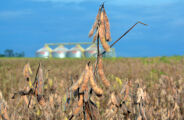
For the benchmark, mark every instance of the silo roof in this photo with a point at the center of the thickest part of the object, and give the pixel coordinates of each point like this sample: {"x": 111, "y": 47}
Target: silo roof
{"x": 61, "y": 47}
{"x": 93, "y": 46}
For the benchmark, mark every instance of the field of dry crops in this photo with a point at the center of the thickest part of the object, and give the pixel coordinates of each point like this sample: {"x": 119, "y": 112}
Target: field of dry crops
{"x": 140, "y": 88}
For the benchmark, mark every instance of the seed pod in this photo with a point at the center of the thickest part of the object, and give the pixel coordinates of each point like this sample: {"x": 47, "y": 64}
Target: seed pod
{"x": 94, "y": 86}
{"x": 101, "y": 73}
{"x": 140, "y": 95}
{"x": 27, "y": 71}
{"x": 36, "y": 90}
{"x": 95, "y": 36}
{"x": 3, "y": 112}
{"x": 139, "y": 117}
{"x": 115, "y": 101}
{"x": 6, "y": 114}
{"x": 91, "y": 32}
{"x": 87, "y": 115}
{"x": 126, "y": 92}
{"x": 78, "y": 83}
{"x": 79, "y": 107}
{"x": 85, "y": 81}
{"x": 40, "y": 81}
{"x": 80, "y": 102}
{"x": 86, "y": 94}
{"x": 41, "y": 100}
{"x": 26, "y": 100}
{"x": 107, "y": 27}
{"x": 102, "y": 33}
{"x": 95, "y": 24}
{"x": 77, "y": 110}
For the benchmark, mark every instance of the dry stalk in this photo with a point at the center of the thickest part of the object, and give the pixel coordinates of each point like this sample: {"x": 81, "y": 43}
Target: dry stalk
{"x": 37, "y": 91}
{"x": 86, "y": 83}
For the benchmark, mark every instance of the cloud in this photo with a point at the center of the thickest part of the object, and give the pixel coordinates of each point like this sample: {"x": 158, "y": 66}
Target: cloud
{"x": 8, "y": 14}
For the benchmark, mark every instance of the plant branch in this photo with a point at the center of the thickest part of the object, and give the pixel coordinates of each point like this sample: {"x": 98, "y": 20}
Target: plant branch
{"x": 124, "y": 35}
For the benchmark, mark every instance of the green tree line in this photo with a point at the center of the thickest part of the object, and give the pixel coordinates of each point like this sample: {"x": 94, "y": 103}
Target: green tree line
{"x": 11, "y": 53}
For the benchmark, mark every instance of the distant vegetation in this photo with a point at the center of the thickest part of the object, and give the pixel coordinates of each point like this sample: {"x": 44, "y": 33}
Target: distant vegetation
{"x": 11, "y": 53}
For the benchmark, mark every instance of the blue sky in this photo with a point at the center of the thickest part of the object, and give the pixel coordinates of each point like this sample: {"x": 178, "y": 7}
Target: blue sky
{"x": 26, "y": 25}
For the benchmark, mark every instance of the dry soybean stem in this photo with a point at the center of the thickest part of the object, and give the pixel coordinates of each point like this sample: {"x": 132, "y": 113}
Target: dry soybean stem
{"x": 124, "y": 35}
{"x": 36, "y": 79}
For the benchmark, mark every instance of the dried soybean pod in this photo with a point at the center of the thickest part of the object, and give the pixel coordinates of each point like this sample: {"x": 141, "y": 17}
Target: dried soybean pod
{"x": 114, "y": 99}
{"x": 80, "y": 102}
{"x": 26, "y": 100}
{"x": 95, "y": 36}
{"x": 40, "y": 81}
{"x": 27, "y": 71}
{"x": 78, "y": 83}
{"x": 86, "y": 94}
{"x": 107, "y": 27}
{"x": 36, "y": 90}
{"x": 140, "y": 95}
{"x": 94, "y": 86}
{"x": 87, "y": 115}
{"x": 78, "y": 107}
{"x": 101, "y": 73}
{"x": 3, "y": 111}
{"x": 102, "y": 33}
{"x": 77, "y": 110}
{"x": 127, "y": 91}
{"x": 85, "y": 81}
{"x": 6, "y": 114}
{"x": 95, "y": 24}
{"x": 41, "y": 100}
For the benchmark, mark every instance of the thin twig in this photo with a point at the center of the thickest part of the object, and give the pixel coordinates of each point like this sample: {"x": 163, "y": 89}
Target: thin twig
{"x": 23, "y": 93}
{"x": 123, "y": 35}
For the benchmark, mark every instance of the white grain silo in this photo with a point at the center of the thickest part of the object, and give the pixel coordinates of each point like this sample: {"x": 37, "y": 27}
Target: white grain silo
{"x": 44, "y": 52}
{"x": 59, "y": 52}
{"x": 75, "y": 52}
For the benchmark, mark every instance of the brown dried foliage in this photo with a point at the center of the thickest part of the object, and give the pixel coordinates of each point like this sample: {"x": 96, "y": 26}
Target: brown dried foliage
{"x": 163, "y": 94}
